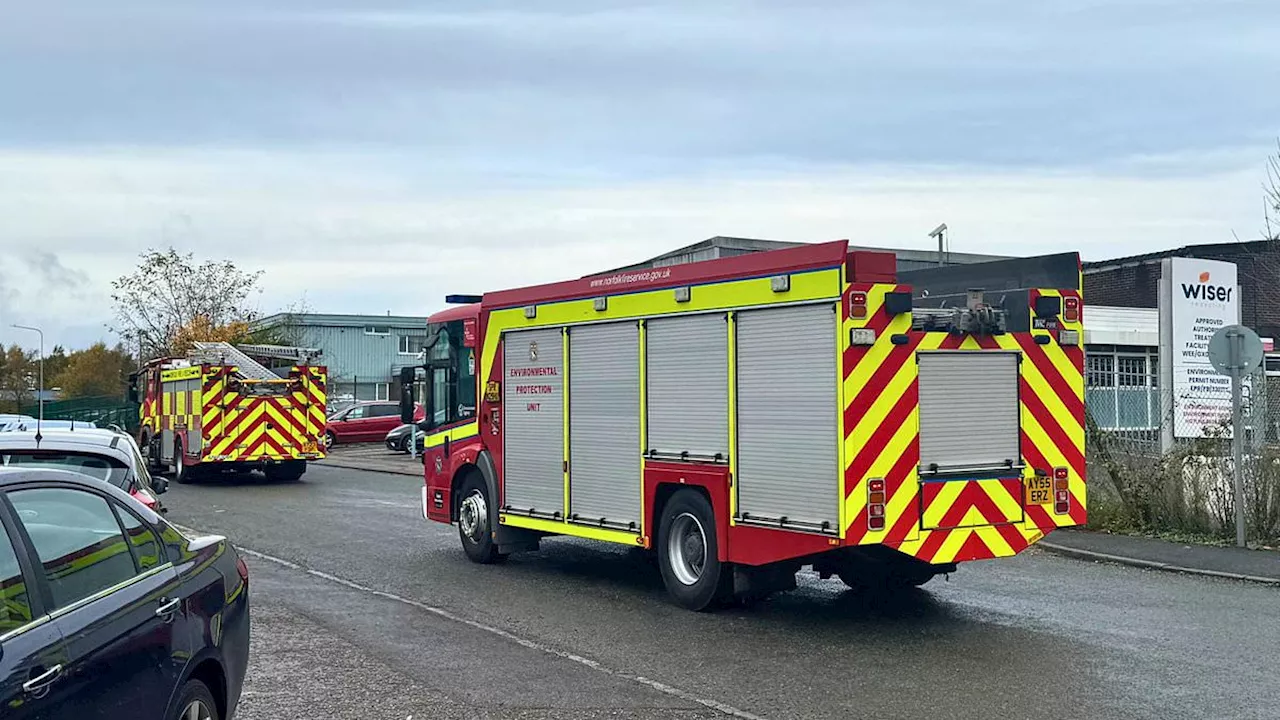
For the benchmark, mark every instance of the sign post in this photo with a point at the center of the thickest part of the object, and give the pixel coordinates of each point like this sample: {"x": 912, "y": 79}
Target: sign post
{"x": 1236, "y": 351}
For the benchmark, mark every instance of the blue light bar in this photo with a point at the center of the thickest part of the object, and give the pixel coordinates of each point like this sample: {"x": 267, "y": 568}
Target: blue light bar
{"x": 462, "y": 299}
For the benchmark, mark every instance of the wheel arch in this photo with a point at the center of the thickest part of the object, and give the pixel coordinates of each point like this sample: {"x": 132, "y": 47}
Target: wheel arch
{"x": 207, "y": 668}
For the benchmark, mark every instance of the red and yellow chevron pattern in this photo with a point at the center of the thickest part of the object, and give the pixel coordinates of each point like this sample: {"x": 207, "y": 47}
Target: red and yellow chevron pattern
{"x": 244, "y": 422}
{"x": 957, "y": 520}
{"x": 240, "y": 420}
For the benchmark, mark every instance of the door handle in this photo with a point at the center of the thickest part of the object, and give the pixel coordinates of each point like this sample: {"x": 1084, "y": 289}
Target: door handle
{"x": 41, "y": 682}
{"x": 167, "y": 610}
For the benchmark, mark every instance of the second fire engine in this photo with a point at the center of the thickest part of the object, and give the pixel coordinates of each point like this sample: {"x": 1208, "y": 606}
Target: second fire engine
{"x": 744, "y": 417}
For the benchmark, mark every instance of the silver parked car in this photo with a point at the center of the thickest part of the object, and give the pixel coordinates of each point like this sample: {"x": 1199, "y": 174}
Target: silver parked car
{"x": 108, "y": 455}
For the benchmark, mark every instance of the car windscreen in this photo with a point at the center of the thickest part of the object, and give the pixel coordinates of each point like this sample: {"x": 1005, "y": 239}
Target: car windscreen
{"x": 96, "y": 466}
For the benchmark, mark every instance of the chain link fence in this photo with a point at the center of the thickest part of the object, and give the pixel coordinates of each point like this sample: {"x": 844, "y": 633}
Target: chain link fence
{"x": 1154, "y": 468}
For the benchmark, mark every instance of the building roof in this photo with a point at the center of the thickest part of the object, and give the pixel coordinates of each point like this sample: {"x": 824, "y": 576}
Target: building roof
{"x": 1206, "y": 251}
{"x": 748, "y": 245}
{"x": 340, "y": 320}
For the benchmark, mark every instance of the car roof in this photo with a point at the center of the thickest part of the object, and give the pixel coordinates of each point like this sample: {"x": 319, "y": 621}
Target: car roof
{"x": 100, "y": 441}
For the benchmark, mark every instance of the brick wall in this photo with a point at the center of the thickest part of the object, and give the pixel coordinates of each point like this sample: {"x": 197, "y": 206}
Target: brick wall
{"x": 1258, "y": 270}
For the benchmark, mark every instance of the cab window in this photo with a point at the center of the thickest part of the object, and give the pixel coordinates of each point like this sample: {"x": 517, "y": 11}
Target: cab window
{"x": 15, "y": 607}
{"x": 456, "y": 401}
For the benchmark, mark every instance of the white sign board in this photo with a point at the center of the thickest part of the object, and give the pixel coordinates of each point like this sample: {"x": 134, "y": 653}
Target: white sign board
{"x": 1198, "y": 298}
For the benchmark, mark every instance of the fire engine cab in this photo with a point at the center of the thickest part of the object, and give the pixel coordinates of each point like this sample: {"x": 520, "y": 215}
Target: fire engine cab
{"x": 744, "y": 417}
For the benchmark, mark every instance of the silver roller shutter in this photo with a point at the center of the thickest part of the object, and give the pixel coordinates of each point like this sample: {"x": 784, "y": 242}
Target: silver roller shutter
{"x": 969, "y": 410}
{"x": 787, "y": 408}
{"x": 604, "y": 424}
{"x": 687, "y": 376}
{"x": 533, "y": 435}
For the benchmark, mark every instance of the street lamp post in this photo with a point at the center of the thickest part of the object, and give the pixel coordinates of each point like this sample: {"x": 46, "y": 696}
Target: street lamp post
{"x": 40, "y": 397}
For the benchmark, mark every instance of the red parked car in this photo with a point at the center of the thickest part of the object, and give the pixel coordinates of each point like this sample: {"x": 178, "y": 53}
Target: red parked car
{"x": 366, "y": 422}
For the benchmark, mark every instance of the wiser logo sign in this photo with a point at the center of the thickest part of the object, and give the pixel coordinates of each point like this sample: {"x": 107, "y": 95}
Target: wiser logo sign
{"x": 1204, "y": 298}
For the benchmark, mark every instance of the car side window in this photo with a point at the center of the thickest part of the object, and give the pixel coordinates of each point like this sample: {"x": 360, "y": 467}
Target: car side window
{"x": 15, "y": 607}
{"x": 386, "y": 410}
{"x": 357, "y": 412}
{"x": 78, "y": 540}
{"x": 147, "y": 551}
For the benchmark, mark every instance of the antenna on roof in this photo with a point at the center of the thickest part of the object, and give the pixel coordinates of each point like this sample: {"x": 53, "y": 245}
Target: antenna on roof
{"x": 940, "y": 233}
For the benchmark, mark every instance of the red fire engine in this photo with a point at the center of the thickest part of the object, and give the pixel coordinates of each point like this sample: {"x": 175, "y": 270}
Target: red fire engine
{"x": 745, "y": 417}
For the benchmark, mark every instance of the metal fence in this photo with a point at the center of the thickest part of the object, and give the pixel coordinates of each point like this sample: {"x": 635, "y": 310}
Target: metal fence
{"x": 102, "y": 411}
{"x": 343, "y": 391}
{"x": 1172, "y": 469}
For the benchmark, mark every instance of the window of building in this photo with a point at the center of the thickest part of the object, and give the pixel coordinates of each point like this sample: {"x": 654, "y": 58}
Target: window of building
{"x": 411, "y": 344}
{"x": 78, "y": 540}
{"x": 15, "y": 609}
{"x": 377, "y": 330}
{"x": 1131, "y": 371}
{"x": 1099, "y": 370}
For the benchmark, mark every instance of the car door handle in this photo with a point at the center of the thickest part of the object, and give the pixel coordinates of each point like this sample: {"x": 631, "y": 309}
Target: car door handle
{"x": 43, "y": 680}
{"x": 167, "y": 610}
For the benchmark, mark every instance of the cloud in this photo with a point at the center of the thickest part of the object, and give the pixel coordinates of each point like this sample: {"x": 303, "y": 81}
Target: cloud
{"x": 360, "y": 233}
{"x": 378, "y": 157}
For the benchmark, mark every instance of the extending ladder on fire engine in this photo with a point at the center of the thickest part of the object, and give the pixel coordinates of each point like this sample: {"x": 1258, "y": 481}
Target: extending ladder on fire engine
{"x": 222, "y": 353}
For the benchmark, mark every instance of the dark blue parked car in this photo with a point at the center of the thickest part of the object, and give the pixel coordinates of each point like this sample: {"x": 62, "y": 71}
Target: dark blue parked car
{"x": 107, "y": 611}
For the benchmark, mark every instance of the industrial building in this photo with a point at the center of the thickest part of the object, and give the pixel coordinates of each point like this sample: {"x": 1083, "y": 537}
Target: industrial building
{"x": 364, "y": 353}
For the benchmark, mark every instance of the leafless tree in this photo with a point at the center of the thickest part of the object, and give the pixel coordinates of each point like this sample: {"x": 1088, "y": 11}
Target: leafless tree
{"x": 170, "y": 291}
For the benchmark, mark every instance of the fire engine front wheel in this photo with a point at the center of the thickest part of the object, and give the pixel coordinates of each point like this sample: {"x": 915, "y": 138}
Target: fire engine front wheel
{"x": 688, "y": 553}
{"x": 473, "y": 522}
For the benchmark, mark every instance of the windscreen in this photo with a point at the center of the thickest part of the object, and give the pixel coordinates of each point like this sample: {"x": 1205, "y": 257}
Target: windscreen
{"x": 95, "y": 466}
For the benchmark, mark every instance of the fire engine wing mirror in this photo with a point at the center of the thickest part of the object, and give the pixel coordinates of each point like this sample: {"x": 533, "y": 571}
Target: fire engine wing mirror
{"x": 133, "y": 388}
{"x": 407, "y": 376}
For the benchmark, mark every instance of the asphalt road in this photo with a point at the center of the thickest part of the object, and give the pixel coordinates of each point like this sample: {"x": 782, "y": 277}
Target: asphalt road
{"x": 362, "y": 609}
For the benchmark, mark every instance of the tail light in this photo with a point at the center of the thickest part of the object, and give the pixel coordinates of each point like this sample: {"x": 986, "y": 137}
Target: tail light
{"x": 875, "y": 504}
{"x": 1061, "y": 491}
{"x": 145, "y": 498}
{"x": 242, "y": 569}
{"x": 858, "y": 305}
{"x": 1071, "y": 309}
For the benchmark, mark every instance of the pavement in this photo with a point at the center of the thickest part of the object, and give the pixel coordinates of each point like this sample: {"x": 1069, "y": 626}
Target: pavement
{"x": 362, "y": 609}
{"x": 1261, "y": 566}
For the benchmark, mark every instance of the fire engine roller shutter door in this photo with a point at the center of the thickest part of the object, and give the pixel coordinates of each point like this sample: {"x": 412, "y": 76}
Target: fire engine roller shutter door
{"x": 604, "y": 424}
{"x": 787, "y": 407}
{"x": 533, "y": 409}
{"x": 969, "y": 409}
{"x": 687, "y": 383}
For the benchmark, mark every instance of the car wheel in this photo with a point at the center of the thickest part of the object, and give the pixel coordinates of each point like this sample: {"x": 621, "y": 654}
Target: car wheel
{"x": 329, "y": 439}
{"x": 688, "y": 553}
{"x": 473, "y": 522}
{"x": 196, "y": 703}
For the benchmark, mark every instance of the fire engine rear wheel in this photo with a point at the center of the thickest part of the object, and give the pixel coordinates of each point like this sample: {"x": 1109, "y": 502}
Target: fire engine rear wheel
{"x": 287, "y": 471}
{"x": 473, "y": 522}
{"x": 181, "y": 473}
{"x": 688, "y": 553}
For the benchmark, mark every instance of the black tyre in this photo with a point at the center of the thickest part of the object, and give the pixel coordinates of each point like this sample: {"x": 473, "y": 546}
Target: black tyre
{"x": 688, "y": 553}
{"x": 288, "y": 471}
{"x": 182, "y": 474}
{"x": 195, "y": 702}
{"x": 329, "y": 440}
{"x": 880, "y": 576}
{"x": 473, "y": 521}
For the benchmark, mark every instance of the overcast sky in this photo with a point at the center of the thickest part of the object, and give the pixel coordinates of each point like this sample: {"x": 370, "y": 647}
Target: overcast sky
{"x": 375, "y": 156}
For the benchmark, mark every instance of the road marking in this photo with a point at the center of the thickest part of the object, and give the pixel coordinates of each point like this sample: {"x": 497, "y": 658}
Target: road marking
{"x": 523, "y": 642}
